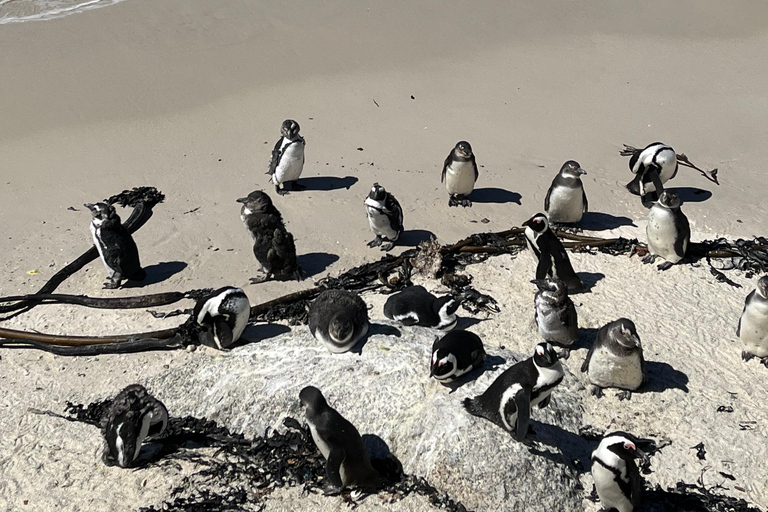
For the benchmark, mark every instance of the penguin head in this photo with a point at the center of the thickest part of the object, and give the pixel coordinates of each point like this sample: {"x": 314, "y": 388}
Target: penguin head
{"x": 101, "y": 211}
{"x": 378, "y": 193}
{"x": 289, "y": 129}
{"x": 625, "y": 334}
{"x": 538, "y": 223}
{"x": 669, "y": 199}
{"x": 312, "y": 399}
{"x": 258, "y": 202}
{"x": 572, "y": 169}
{"x": 341, "y": 328}
{"x": 551, "y": 284}
{"x": 443, "y": 364}
{"x": 126, "y": 432}
{"x": 463, "y": 150}
{"x": 544, "y": 356}
{"x": 624, "y": 445}
{"x": 762, "y": 287}
{"x": 446, "y": 308}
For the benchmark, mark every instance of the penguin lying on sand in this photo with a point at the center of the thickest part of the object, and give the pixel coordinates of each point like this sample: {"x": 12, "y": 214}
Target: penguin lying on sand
{"x": 668, "y": 231}
{"x": 223, "y": 315}
{"x": 385, "y": 216}
{"x": 653, "y": 166}
{"x": 615, "y": 359}
{"x": 339, "y": 319}
{"x": 455, "y": 354}
{"x": 617, "y": 478}
{"x": 566, "y": 201}
{"x": 549, "y": 250}
{"x": 556, "y": 314}
{"x": 753, "y": 324}
{"x": 416, "y": 306}
{"x": 287, "y": 158}
{"x": 116, "y": 247}
{"x": 460, "y": 174}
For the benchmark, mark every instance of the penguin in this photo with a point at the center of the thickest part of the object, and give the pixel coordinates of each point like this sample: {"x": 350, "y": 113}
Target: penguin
{"x": 455, "y": 354}
{"x": 617, "y": 478}
{"x": 460, "y": 174}
{"x": 272, "y": 244}
{"x": 556, "y": 314}
{"x": 549, "y": 250}
{"x": 133, "y": 415}
{"x": 653, "y": 166}
{"x": 287, "y": 158}
{"x": 668, "y": 231}
{"x": 223, "y": 315}
{"x": 116, "y": 247}
{"x": 339, "y": 319}
{"x": 416, "y": 306}
{"x": 385, "y": 216}
{"x": 509, "y": 399}
{"x": 347, "y": 460}
{"x": 753, "y": 324}
{"x": 615, "y": 359}
{"x": 566, "y": 200}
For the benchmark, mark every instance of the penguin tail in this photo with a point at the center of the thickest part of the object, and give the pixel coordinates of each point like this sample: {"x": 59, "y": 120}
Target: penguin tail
{"x": 474, "y": 408}
{"x": 634, "y": 185}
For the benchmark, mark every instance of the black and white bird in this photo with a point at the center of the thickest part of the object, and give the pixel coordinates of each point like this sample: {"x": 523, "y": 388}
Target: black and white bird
{"x": 460, "y": 174}
{"x": 222, "y": 315}
{"x": 509, "y": 399}
{"x": 455, "y": 354}
{"x": 347, "y": 461}
{"x": 133, "y": 415}
{"x": 617, "y": 479}
{"x": 116, "y": 247}
{"x": 556, "y": 315}
{"x": 753, "y": 324}
{"x": 414, "y": 305}
{"x": 287, "y": 158}
{"x": 272, "y": 244}
{"x": 385, "y": 216}
{"x": 653, "y": 166}
{"x": 668, "y": 231}
{"x": 615, "y": 359}
{"x": 339, "y": 319}
{"x": 549, "y": 250}
{"x": 566, "y": 201}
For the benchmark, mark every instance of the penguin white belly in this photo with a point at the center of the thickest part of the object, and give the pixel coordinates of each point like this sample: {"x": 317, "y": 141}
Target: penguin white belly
{"x": 608, "y": 489}
{"x": 566, "y": 205}
{"x": 551, "y": 328}
{"x": 754, "y": 329}
{"x": 319, "y": 441}
{"x": 662, "y": 234}
{"x": 380, "y": 224}
{"x": 96, "y": 234}
{"x": 509, "y": 420}
{"x": 460, "y": 178}
{"x": 291, "y": 163}
{"x": 547, "y": 377}
{"x": 610, "y": 371}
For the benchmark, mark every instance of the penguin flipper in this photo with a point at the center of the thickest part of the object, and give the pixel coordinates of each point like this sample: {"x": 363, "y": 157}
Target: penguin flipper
{"x": 276, "y": 154}
{"x": 333, "y": 468}
{"x": 222, "y": 332}
{"x": 474, "y": 166}
{"x": 585, "y": 364}
{"x": 544, "y": 267}
{"x": 544, "y": 402}
{"x": 523, "y": 403}
{"x": 584, "y": 201}
{"x": 684, "y": 234}
{"x": 549, "y": 193}
{"x": 445, "y": 167}
{"x": 478, "y": 358}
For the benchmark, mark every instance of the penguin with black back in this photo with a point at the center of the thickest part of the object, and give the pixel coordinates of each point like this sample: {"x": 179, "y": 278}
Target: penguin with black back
{"x": 566, "y": 200}
{"x": 753, "y": 323}
{"x": 615, "y": 359}
{"x": 617, "y": 479}
{"x": 339, "y": 319}
{"x": 116, "y": 247}
{"x": 549, "y": 250}
{"x": 652, "y": 166}
{"x": 288, "y": 158}
{"x": 668, "y": 231}
{"x": 555, "y": 314}
{"x": 222, "y": 316}
{"x": 460, "y": 174}
{"x": 414, "y": 305}
{"x": 455, "y": 354}
{"x": 385, "y": 217}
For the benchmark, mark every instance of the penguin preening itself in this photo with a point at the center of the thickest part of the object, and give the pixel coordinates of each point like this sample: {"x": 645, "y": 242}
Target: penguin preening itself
{"x": 566, "y": 201}
{"x": 615, "y": 359}
{"x": 460, "y": 174}
{"x": 668, "y": 231}
{"x": 416, "y": 306}
{"x": 555, "y": 314}
{"x": 549, "y": 250}
{"x": 455, "y": 354}
{"x": 617, "y": 478}
{"x": 385, "y": 216}
{"x": 509, "y": 399}
{"x": 339, "y": 319}
{"x": 133, "y": 415}
{"x": 753, "y": 324}
{"x": 347, "y": 460}
{"x": 223, "y": 315}
{"x": 287, "y": 158}
{"x": 272, "y": 244}
{"x": 653, "y": 166}
{"x": 116, "y": 247}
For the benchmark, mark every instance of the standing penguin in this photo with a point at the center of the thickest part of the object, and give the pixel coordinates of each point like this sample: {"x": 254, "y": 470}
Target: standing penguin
{"x": 385, "y": 216}
{"x": 455, "y": 354}
{"x": 753, "y": 324}
{"x": 347, "y": 460}
{"x": 615, "y": 359}
{"x": 556, "y": 314}
{"x": 653, "y": 166}
{"x": 223, "y": 315}
{"x": 133, "y": 415}
{"x": 668, "y": 231}
{"x": 339, "y": 319}
{"x": 509, "y": 399}
{"x": 549, "y": 250}
{"x": 566, "y": 201}
{"x": 460, "y": 174}
{"x": 416, "y": 306}
{"x": 287, "y": 158}
{"x": 617, "y": 479}
{"x": 272, "y": 244}
{"x": 116, "y": 247}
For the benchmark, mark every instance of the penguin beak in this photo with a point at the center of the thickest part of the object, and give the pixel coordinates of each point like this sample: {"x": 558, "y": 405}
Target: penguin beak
{"x": 527, "y": 223}
{"x": 581, "y": 171}
{"x": 242, "y": 200}
{"x": 90, "y": 206}
{"x": 640, "y": 454}
{"x": 636, "y": 340}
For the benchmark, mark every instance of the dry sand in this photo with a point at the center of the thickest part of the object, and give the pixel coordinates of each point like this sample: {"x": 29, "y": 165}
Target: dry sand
{"x": 188, "y": 96}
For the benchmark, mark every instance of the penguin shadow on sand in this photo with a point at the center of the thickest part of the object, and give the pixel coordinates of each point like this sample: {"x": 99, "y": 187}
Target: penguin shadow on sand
{"x": 413, "y": 237}
{"x": 575, "y": 451}
{"x": 157, "y": 273}
{"x": 491, "y": 364}
{"x": 375, "y": 328}
{"x": 590, "y": 279}
{"x": 315, "y": 263}
{"x": 691, "y": 194}
{"x": 495, "y": 195}
{"x": 465, "y": 322}
{"x": 326, "y": 183}
{"x": 386, "y": 464}
{"x": 254, "y": 333}
{"x": 661, "y": 377}
{"x": 587, "y": 337}
{"x": 599, "y": 221}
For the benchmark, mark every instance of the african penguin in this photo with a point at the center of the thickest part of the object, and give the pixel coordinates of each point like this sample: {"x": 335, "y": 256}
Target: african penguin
{"x": 416, "y": 306}
{"x": 339, "y": 319}
{"x": 566, "y": 201}
{"x": 509, "y": 399}
{"x": 615, "y": 359}
{"x": 455, "y": 354}
{"x": 133, "y": 415}
{"x": 460, "y": 174}
{"x": 384, "y": 216}
{"x": 116, "y": 247}
{"x": 223, "y": 315}
{"x": 287, "y": 158}
{"x": 753, "y": 324}
{"x": 347, "y": 460}
{"x": 667, "y": 231}
{"x": 653, "y": 166}
{"x": 272, "y": 244}
{"x": 555, "y": 314}
{"x": 549, "y": 250}
{"x": 617, "y": 478}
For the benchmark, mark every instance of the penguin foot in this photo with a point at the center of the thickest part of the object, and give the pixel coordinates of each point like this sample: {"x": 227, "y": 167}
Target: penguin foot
{"x": 388, "y": 246}
{"x": 465, "y": 202}
{"x": 563, "y": 353}
{"x": 331, "y": 490}
{"x": 281, "y": 191}
{"x": 259, "y": 279}
{"x": 746, "y": 356}
{"x": 453, "y": 201}
{"x": 376, "y": 242}
{"x": 665, "y": 266}
{"x": 111, "y": 285}
{"x": 624, "y": 395}
{"x": 649, "y": 258}
{"x": 764, "y": 361}
{"x": 596, "y": 391}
